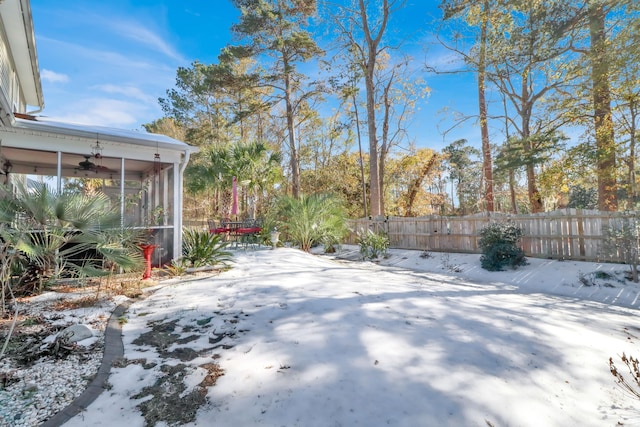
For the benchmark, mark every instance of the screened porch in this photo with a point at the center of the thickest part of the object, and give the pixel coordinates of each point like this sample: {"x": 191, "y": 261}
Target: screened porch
{"x": 140, "y": 172}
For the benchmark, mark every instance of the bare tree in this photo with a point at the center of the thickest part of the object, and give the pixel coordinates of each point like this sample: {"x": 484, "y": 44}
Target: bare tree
{"x": 363, "y": 24}
{"x": 478, "y": 11}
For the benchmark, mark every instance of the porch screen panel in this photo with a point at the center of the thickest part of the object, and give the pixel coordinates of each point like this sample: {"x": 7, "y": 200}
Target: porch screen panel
{"x": 5, "y": 69}
{"x": 169, "y": 199}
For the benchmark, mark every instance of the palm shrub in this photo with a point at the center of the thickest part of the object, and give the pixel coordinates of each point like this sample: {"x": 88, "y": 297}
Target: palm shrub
{"x": 10, "y": 267}
{"x": 498, "y": 242}
{"x": 372, "y": 245}
{"x": 176, "y": 267}
{"x": 335, "y": 230}
{"x": 309, "y": 220}
{"x": 9, "y": 258}
{"x": 201, "y": 248}
{"x": 65, "y": 234}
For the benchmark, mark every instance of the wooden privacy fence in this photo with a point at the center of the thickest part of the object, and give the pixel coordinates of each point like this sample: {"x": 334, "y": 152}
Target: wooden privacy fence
{"x": 564, "y": 234}
{"x": 195, "y": 224}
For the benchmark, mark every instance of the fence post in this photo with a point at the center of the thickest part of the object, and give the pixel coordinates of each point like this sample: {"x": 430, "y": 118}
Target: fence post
{"x": 580, "y": 219}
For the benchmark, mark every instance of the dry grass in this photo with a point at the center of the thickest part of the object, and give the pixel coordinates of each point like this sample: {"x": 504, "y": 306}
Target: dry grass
{"x": 75, "y": 303}
{"x": 213, "y": 373}
{"x": 128, "y": 284}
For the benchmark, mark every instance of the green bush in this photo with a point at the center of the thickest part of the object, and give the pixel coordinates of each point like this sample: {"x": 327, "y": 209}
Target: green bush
{"x": 201, "y": 248}
{"x": 498, "y": 242}
{"x": 372, "y": 245}
{"x": 52, "y": 235}
{"x": 177, "y": 267}
{"x": 309, "y": 220}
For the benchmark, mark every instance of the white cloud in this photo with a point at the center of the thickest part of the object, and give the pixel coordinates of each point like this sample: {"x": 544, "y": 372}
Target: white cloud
{"x": 112, "y": 24}
{"x": 102, "y": 112}
{"x": 87, "y": 56}
{"x": 116, "y": 69}
{"x": 127, "y": 90}
{"x": 53, "y": 77}
{"x": 445, "y": 62}
{"x": 136, "y": 31}
{"x": 190, "y": 12}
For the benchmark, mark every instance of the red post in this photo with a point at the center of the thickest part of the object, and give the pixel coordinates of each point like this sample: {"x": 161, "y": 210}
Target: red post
{"x": 147, "y": 251}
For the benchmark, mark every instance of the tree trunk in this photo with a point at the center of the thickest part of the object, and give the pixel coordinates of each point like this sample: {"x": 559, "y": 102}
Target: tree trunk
{"x": 384, "y": 149}
{"x": 603, "y": 121}
{"x": 535, "y": 201}
{"x": 526, "y": 108}
{"x": 293, "y": 149}
{"x": 511, "y": 173}
{"x": 364, "y": 187}
{"x": 369, "y": 64}
{"x": 487, "y": 167}
{"x": 374, "y": 180}
{"x": 633, "y": 187}
{"x": 512, "y": 191}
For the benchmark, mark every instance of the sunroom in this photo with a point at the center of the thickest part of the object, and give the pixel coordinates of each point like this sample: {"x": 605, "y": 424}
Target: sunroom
{"x": 140, "y": 172}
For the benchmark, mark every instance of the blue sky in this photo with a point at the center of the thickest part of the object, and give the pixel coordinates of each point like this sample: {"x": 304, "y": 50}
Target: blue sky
{"x": 106, "y": 63}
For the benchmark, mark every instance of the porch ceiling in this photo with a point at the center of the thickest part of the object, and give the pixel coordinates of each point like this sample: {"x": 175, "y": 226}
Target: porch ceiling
{"x": 32, "y": 147}
{"x": 38, "y": 162}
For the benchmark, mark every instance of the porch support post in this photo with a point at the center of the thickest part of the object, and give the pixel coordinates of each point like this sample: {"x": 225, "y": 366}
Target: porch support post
{"x": 164, "y": 176}
{"x": 122, "y": 192}
{"x": 59, "y": 173}
{"x": 177, "y": 211}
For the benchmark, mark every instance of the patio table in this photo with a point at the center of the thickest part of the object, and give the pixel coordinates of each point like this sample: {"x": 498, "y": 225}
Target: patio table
{"x": 239, "y": 232}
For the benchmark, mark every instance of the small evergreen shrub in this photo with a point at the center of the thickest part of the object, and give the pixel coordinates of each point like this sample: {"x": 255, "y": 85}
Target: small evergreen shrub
{"x": 177, "y": 267}
{"x": 372, "y": 245}
{"x": 622, "y": 240}
{"x": 498, "y": 242}
{"x": 201, "y": 248}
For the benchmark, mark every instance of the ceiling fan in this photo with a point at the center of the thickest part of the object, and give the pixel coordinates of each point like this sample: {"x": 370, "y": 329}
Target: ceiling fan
{"x": 88, "y": 166}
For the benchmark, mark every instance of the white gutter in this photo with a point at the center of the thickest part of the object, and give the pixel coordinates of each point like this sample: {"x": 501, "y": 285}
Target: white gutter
{"x": 31, "y": 113}
{"x": 183, "y": 165}
{"x": 29, "y": 33}
{"x": 178, "y": 204}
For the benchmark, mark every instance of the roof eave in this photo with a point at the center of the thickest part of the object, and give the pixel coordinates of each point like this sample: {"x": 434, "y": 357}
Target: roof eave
{"x": 36, "y": 97}
{"x": 144, "y": 139}
{"x": 18, "y": 25}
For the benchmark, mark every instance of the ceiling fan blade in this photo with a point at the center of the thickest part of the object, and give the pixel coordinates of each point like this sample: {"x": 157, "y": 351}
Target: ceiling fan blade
{"x": 100, "y": 168}
{"x": 86, "y": 164}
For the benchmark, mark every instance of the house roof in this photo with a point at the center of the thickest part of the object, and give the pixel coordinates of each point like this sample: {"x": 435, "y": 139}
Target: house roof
{"x": 35, "y": 143}
{"x": 103, "y": 133}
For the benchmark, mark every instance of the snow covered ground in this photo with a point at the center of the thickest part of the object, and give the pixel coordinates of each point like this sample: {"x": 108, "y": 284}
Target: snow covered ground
{"x": 415, "y": 340}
